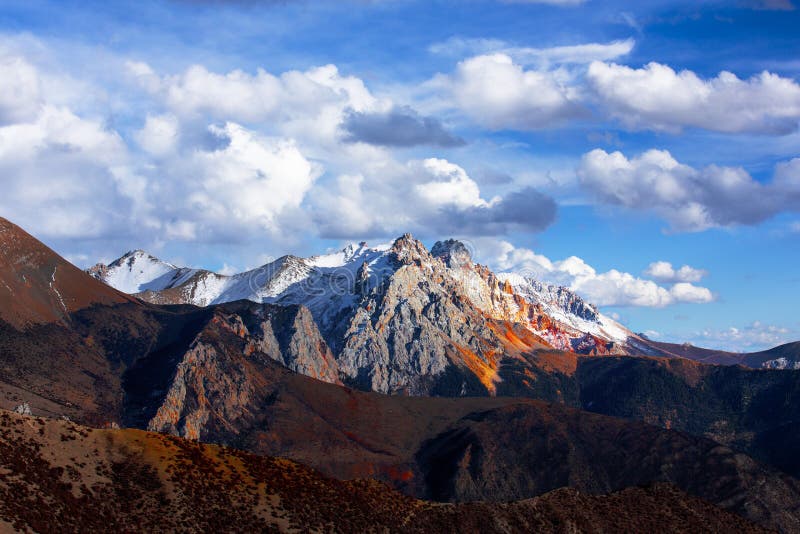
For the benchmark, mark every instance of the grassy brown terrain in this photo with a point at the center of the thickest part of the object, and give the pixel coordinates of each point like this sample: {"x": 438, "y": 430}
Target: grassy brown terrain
{"x": 448, "y": 449}
{"x": 61, "y": 477}
{"x": 39, "y": 286}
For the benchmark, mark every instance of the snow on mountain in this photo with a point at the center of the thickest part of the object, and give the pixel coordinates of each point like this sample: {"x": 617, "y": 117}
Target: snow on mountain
{"x": 331, "y": 284}
{"x": 138, "y": 271}
{"x": 321, "y": 283}
{"x": 565, "y": 306}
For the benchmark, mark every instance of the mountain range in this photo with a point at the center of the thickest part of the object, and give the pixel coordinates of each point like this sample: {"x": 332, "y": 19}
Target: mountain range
{"x": 334, "y": 286}
{"x": 417, "y": 369}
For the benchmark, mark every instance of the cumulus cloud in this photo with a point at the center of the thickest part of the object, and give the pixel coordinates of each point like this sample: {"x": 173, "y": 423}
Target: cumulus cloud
{"x": 20, "y": 97}
{"x": 159, "y": 135}
{"x": 752, "y": 337}
{"x": 657, "y": 97}
{"x": 308, "y": 104}
{"x": 663, "y": 271}
{"x": 610, "y": 288}
{"x": 438, "y": 197}
{"x": 689, "y": 199}
{"x": 500, "y": 94}
{"x": 242, "y": 188}
{"x": 333, "y": 120}
{"x": 400, "y": 126}
{"x": 64, "y": 176}
{"x": 448, "y": 185}
{"x": 241, "y": 157}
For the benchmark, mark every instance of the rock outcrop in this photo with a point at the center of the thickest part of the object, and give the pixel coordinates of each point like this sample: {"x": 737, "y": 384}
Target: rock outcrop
{"x": 217, "y": 385}
{"x": 416, "y": 333}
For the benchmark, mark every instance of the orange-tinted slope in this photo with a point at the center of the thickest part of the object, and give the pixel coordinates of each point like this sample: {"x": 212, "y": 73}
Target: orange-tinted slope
{"x": 61, "y": 477}
{"x": 39, "y": 286}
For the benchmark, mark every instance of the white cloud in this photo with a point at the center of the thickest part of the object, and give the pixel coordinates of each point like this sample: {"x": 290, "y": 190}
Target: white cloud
{"x": 582, "y": 53}
{"x": 689, "y": 199}
{"x": 180, "y": 230}
{"x": 231, "y": 158}
{"x": 657, "y": 97}
{"x": 159, "y": 135}
{"x": 64, "y": 176}
{"x": 663, "y": 271}
{"x": 610, "y": 288}
{"x": 318, "y": 94}
{"x": 20, "y": 97}
{"x": 686, "y": 292}
{"x": 428, "y": 197}
{"x": 450, "y": 185}
{"x": 499, "y": 94}
{"x": 752, "y": 337}
{"x": 67, "y": 176}
{"x": 242, "y": 187}
{"x": 566, "y": 54}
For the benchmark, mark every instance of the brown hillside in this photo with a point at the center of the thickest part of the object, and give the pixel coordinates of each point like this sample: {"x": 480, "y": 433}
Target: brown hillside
{"x": 39, "y": 286}
{"x": 61, "y": 477}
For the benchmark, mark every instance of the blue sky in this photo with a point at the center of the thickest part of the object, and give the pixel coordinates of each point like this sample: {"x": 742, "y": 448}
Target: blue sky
{"x": 600, "y": 145}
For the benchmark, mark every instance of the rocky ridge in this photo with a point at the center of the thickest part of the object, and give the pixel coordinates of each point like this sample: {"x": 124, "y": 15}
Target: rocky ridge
{"x": 400, "y": 318}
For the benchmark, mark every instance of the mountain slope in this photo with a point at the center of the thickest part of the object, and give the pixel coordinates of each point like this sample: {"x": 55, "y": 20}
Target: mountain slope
{"x": 333, "y": 286}
{"x": 81, "y": 479}
{"x": 785, "y": 356}
{"x": 38, "y": 286}
{"x": 493, "y": 448}
{"x": 115, "y": 363}
{"x": 138, "y": 271}
{"x": 754, "y": 411}
{"x": 330, "y": 284}
{"x": 402, "y": 319}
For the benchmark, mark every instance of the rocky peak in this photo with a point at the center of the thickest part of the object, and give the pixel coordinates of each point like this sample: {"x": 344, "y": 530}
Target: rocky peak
{"x": 133, "y": 257}
{"x": 565, "y": 299}
{"x": 287, "y": 262}
{"x": 407, "y": 251}
{"x": 129, "y": 260}
{"x": 452, "y": 252}
{"x": 98, "y": 270}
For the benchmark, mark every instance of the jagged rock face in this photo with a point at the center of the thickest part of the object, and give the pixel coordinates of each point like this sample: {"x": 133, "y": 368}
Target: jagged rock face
{"x": 500, "y": 300}
{"x": 415, "y": 333}
{"x": 219, "y": 382}
{"x": 566, "y": 299}
{"x": 452, "y": 252}
{"x": 402, "y": 319}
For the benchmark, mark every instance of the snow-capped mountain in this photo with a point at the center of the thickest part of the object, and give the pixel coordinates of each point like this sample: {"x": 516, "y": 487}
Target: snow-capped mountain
{"x": 567, "y": 308}
{"x": 557, "y": 314}
{"x": 138, "y": 271}
{"x": 331, "y": 286}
